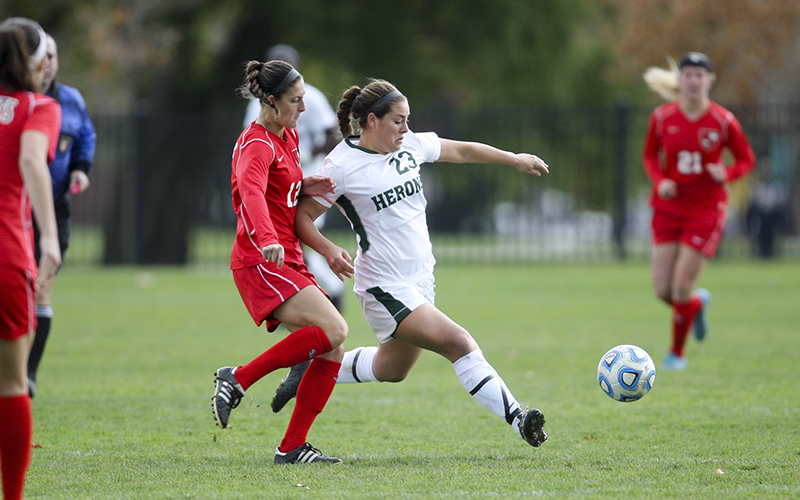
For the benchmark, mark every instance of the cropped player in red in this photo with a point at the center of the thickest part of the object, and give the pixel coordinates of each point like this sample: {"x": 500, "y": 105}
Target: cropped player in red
{"x": 267, "y": 260}
{"x": 29, "y": 127}
{"x": 683, "y": 158}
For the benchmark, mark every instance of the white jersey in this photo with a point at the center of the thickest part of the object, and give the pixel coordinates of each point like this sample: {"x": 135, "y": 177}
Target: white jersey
{"x": 382, "y": 197}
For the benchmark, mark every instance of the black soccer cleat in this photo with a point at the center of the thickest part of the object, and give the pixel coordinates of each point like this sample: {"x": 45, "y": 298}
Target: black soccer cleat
{"x": 531, "y": 427}
{"x": 305, "y": 454}
{"x": 288, "y": 387}
{"x": 227, "y": 395}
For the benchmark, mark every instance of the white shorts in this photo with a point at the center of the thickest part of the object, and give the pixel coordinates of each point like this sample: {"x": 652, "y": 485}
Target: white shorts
{"x": 385, "y": 307}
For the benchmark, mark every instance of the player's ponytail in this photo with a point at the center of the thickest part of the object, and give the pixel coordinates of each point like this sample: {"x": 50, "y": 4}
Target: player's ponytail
{"x": 345, "y": 109}
{"x": 662, "y": 81}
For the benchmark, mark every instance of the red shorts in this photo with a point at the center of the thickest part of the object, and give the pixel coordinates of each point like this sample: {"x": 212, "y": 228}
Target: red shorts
{"x": 701, "y": 232}
{"x": 17, "y": 304}
{"x": 264, "y": 287}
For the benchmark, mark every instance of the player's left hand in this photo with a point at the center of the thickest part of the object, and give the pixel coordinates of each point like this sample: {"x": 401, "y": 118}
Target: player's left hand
{"x": 531, "y": 164}
{"x": 78, "y": 181}
{"x": 717, "y": 172}
{"x": 318, "y": 185}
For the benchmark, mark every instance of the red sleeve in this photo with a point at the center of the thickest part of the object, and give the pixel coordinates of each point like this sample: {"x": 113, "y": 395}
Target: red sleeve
{"x": 745, "y": 159}
{"x": 45, "y": 117}
{"x": 652, "y": 146}
{"x": 253, "y": 179}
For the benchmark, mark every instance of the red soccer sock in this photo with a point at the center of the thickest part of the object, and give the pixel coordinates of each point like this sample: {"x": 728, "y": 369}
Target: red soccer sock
{"x": 312, "y": 394}
{"x": 301, "y": 345}
{"x": 682, "y": 318}
{"x": 16, "y": 432}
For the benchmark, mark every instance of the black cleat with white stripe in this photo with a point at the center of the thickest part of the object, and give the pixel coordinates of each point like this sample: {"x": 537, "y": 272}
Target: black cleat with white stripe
{"x": 305, "y": 454}
{"x": 531, "y": 427}
{"x": 227, "y": 395}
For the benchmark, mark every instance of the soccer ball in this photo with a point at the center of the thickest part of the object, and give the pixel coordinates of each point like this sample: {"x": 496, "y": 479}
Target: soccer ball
{"x": 626, "y": 373}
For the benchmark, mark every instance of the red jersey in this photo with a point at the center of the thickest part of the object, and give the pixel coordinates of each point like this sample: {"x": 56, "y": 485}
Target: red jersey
{"x": 265, "y": 179}
{"x": 679, "y": 149}
{"x": 19, "y": 112}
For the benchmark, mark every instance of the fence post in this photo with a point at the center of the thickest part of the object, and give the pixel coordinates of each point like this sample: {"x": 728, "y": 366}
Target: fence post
{"x": 622, "y": 114}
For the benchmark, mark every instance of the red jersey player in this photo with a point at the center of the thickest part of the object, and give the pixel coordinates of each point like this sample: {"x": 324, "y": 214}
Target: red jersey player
{"x": 29, "y": 128}
{"x": 682, "y": 157}
{"x": 267, "y": 261}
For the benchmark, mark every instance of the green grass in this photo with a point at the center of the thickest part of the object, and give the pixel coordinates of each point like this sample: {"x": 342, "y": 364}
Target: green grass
{"x": 123, "y": 408}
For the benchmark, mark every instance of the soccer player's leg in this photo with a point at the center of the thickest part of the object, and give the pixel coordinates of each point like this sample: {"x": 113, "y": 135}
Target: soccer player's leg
{"x": 431, "y": 329}
{"x": 688, "y": 266}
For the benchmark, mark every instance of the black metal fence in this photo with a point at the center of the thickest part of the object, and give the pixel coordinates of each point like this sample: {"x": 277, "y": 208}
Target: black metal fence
{"x": 161, "y": 188}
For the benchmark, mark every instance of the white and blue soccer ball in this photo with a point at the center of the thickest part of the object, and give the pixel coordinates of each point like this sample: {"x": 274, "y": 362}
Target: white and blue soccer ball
{"x": 626, "y": 373}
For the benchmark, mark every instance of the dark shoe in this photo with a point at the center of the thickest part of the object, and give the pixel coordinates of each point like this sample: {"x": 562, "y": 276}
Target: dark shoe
{"x": 531, "y": 427}
{"x": 305, "y": 454}
{"x": 227, "y": 396}
{"x": 288, "y": 387}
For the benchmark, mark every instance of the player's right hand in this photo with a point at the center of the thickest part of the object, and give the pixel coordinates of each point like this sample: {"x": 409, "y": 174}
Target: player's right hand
{"x": 274, "y": 253}
{"x": 49, "y": 261}
{"x": 667, "y": 189}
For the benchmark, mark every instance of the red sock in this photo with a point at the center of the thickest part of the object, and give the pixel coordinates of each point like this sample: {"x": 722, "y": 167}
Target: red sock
{"x": 312, "y": 394}
{"x": 682, "y": 318}
{"x": 16, "y": 432}
{"x": 301, "y": 345}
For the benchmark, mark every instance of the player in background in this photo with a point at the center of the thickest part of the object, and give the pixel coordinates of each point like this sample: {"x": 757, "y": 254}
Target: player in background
{"x": 267, "y": 262}
{"x": 319, "y": 133}
{"x": 379, "y": 189}
{"x": 29, "y": 124}
{"x": 69, "y": 171}
{"x": 682, "y": 156}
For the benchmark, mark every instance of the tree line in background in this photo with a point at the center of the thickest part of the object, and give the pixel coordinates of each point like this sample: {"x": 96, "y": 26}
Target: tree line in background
{"x": 187, "y": 55}
{"x": 468, "y": 64}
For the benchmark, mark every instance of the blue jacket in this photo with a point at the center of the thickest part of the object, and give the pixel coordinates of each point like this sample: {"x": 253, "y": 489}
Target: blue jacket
{"x": 76, "y": 144}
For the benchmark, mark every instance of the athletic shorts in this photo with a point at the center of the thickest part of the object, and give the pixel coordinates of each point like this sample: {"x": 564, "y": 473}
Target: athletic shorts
{"x": 264, "y": 287}
{"x": 703, "y": 233}
{"x": 385, "y": 307}
{"x": 17, "y": 304}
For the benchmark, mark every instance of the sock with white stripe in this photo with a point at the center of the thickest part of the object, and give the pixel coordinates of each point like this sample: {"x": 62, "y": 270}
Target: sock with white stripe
{"x": 484, "y": 384}
{"x": 357, "y": 366}
{"x": 44, "y": 318}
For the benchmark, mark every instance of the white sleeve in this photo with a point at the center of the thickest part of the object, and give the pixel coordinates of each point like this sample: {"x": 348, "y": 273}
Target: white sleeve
{"x": 335, "y": 172}
{"x": 430, "y": 146}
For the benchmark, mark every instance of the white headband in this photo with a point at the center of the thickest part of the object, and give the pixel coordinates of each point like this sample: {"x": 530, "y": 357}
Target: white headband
{"x": 41, "y": 50}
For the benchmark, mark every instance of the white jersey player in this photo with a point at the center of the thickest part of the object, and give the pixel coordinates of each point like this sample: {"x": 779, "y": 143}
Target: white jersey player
{"x": 379, "y": 189}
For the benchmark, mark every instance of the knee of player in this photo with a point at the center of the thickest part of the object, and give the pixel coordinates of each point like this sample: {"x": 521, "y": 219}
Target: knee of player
{"x": 336, "y": 331}
{"x": 459, "y": 344}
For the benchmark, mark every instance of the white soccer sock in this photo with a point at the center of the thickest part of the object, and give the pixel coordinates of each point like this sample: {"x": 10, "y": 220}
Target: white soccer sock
{"x": 484, "y": 384}
{"x": 357, "y": 366}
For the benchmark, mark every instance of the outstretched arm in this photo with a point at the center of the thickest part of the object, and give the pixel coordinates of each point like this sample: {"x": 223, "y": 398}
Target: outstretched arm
{"x": 308, "y": 210}
{"x": 476, "y": 152}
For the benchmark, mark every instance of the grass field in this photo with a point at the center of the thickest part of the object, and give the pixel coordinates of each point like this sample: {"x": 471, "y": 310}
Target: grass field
{"x": 123, "y": 408}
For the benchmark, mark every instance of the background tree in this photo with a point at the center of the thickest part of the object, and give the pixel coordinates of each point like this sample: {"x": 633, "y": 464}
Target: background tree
{"x": 748, "y": 42}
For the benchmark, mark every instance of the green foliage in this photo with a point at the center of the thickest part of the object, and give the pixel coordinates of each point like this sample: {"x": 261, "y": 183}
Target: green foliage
{"x": 123, "y": 409}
